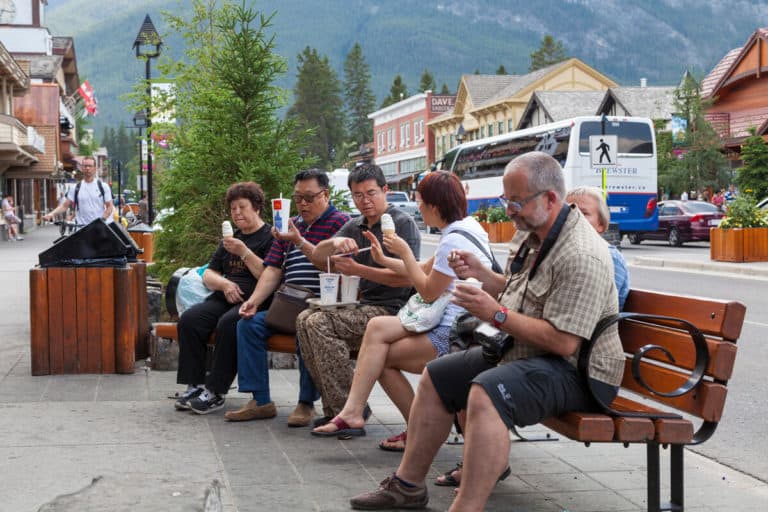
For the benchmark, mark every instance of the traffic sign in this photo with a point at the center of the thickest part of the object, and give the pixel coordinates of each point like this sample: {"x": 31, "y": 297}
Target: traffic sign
{"x": 603, "y": 150}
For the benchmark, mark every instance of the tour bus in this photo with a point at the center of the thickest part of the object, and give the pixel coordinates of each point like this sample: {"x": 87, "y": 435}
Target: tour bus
{"x": 630, "y": 180}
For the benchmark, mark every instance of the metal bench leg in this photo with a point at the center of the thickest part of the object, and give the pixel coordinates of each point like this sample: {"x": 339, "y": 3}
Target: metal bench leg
{"x": 546, "y": 437}
{"x": 654, "y": 480}
{"x": 676, "y": 476}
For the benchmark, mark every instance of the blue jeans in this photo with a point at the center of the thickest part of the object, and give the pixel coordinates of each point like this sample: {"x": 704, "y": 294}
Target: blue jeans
{"x": 252, "y": 363}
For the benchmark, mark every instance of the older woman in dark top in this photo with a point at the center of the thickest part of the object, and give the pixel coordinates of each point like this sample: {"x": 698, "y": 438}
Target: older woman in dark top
{"x": 232, "y": 273}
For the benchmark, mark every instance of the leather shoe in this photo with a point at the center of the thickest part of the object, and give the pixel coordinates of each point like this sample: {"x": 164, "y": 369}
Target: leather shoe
{"x": 301, "y": 416}
{"x": 252, "y": 411}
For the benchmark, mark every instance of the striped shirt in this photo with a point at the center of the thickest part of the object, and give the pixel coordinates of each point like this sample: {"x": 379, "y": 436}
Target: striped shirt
{"x": 297, "y": 267}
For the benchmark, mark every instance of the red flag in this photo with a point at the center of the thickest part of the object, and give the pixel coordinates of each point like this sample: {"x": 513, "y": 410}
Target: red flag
{"x": 86, "y": 91}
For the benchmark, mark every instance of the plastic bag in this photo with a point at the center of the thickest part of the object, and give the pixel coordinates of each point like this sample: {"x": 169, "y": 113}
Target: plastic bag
{"x": 420, "y": 316}
{"x": 191, "y": 290}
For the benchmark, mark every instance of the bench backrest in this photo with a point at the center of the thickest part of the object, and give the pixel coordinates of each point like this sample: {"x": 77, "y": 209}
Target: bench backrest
{"x": 720, "y": 322}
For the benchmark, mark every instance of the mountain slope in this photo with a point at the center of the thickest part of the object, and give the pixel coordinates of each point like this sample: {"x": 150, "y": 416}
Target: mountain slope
{"x": 624, "y": 39}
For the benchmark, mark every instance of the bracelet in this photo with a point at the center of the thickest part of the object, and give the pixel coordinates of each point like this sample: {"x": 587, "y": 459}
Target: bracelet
{"x": 300, "y": 244}
{"x": 245, "y": 256}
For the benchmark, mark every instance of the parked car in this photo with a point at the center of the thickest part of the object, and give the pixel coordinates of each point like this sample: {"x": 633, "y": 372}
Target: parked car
{"x": 400, "y": 200}
{"x": 682, "y": 221}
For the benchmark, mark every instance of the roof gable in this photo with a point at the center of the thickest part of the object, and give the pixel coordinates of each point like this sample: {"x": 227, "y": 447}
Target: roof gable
{"x": 652, "y": 102}
{"x": 749, "y": 60}
{"x": 559, "y": 105}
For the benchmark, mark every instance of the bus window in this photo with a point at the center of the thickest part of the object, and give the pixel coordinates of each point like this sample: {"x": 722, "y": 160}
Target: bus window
{"x": 634, "y": 138}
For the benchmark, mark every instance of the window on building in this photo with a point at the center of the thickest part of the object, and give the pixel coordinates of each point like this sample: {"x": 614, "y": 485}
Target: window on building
{"x": 510, "y": 126}
{"x": 482, "y": 132}
{"x": 442, "y": 140}
{"x": 490, "y": 129}
{"x": 407, "y": 127}
{"x": 501, "y": 127}
{"x": 422, "y": 136}
{"x": 452, "y": 140}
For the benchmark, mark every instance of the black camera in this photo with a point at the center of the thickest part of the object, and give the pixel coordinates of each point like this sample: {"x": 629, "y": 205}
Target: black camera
{"x": 494, "y": 343}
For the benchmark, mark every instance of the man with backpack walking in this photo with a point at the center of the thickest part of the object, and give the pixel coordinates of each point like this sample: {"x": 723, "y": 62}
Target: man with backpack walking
{"x": 90, "y": 198}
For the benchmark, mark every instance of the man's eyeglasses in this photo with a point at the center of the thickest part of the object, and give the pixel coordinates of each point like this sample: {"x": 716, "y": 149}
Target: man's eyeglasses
{"x": 370, "y": 195}
{"x": 307, "y": 198}
{"x": 88, "y": 165}
{"x": 516, "y": 206}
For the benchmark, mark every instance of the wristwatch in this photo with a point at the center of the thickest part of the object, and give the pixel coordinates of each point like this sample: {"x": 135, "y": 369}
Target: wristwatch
{"x": 500, "y": 317}
{"x": 300, "y": 244}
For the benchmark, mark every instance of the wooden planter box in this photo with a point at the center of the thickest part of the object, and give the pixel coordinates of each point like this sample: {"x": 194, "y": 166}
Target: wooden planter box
{"x": 500, "y": 232}
{"x": 87, "y": 319}
{"x": 756, "y": 244}
{"x": 738, "y": 244}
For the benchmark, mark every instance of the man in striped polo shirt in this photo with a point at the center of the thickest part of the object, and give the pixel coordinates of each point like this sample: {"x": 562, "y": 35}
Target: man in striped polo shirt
{"x": 287, "y": 260}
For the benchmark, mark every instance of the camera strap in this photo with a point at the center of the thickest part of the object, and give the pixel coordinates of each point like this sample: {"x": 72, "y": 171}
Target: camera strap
{"x": 546, "y": 246}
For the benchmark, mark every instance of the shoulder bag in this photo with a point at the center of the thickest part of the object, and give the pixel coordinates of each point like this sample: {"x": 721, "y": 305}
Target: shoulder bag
{"x": 289, "y": 300}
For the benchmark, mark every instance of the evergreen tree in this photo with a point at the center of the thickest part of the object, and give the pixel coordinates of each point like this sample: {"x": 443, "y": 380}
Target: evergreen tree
{"x": 125, "y": 145}
{"x": 444, "y": 89}
{"x": 752, "y": 177}
{"x": 397, "y": 92}
{"x": 427, "y": 82}
{"x": 360, "y": 99}
{"x": 477, "y": 71}
{"x": 226, "y": 97}
{"x": 501, "y": 70}
{"x": 318, "y": 106}
{"x": 702, "y": 164}
{"x": 550, "y": 52}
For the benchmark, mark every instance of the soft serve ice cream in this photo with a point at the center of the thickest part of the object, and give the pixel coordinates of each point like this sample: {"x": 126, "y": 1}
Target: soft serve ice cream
{"x": 387, "y": 225}
{"x": 226, "y": 229}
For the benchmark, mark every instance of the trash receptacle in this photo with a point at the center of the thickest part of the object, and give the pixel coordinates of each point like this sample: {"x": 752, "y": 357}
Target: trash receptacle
{"x": 143, "y": 235}
{"x": 88, "y": 304}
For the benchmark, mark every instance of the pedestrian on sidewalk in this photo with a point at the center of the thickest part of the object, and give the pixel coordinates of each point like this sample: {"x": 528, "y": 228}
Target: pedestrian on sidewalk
{"x": 11, "y": 220}
{"x": 90, "y": 198}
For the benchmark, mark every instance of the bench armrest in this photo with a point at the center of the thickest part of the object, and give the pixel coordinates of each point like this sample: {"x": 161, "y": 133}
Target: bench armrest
{"x": 702, "y": 360}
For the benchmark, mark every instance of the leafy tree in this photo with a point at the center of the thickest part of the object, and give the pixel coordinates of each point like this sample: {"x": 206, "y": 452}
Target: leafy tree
{"x": 752, "y": 177}
{"x": 550, "y": 52}
{"x": 427, "y": 82}
{"x": 227, "y": 103}
{"x": 360, "y": 100}
{"x": 398, "y": 91}
{"x": 444, "y": 89}
{"x": 318, "y": 106}
{"x": 702, "y": 164}
{"x": 501, "y": 70}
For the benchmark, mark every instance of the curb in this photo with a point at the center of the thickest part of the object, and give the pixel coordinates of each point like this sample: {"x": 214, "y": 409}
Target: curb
{"x": 695, "y": 266}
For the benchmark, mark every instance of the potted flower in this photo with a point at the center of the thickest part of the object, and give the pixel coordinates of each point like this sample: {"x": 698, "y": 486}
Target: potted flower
{"x": 743, "y": 233}
{"x": 501, "y": 228}
{"x": 481, "y": 216}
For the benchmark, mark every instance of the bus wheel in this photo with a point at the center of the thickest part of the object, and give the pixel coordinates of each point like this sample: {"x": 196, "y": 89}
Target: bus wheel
{"x": 634, "y": 238}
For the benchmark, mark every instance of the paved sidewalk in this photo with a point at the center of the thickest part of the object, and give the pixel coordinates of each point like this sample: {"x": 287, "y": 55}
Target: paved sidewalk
{"x": 114, "y": 442}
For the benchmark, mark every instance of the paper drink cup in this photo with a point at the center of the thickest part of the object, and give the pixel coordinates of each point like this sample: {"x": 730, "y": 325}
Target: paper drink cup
{"x": 349, "y": 287}
{"x": 473, "y": 282}
{"x": 329, "y": 288}
{"x": 281, "y": 212}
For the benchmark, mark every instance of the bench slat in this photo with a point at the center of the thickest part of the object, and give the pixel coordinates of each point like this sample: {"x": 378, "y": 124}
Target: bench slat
{"x": 582, "y": 426}
{"x": 714, "y": 317}
{"x": 722, "y": 354}
{"x": 706, "y": 401}
{"x": 285, "y": 343}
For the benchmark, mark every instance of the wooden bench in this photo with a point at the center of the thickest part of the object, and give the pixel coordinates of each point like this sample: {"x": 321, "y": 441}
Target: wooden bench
{"x": 674, "y": 389}
{"x": 285, "y": 343}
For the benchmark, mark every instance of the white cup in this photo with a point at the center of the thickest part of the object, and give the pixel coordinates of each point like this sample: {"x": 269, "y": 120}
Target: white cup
{"x": 281, "y": 212}
{"x": 329, "y": 288}
{"x": 349, "y": 287}
{"x": 476, "y": 284}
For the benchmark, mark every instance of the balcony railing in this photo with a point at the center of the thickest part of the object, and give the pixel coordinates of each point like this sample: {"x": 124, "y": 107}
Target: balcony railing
{"x": 12, "y": 131}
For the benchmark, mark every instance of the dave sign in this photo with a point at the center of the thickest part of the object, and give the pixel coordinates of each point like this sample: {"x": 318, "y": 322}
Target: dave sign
{"x": 442, "y": 103}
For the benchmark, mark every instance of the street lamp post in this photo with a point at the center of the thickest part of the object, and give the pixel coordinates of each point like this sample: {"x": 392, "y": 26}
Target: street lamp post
{"x": 140, "y": 122}
{"x": 460, "y": 134}
{"x": 147, "y": 46}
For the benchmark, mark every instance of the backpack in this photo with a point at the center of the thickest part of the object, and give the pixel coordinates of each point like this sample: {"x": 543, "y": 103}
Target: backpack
{"x": 77, "y": 191}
